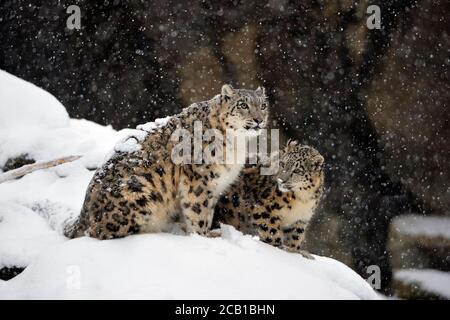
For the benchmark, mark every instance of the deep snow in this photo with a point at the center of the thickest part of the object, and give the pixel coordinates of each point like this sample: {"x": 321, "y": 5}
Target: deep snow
{"x": 165, "y": 266}
{"x": 154, "y": 266}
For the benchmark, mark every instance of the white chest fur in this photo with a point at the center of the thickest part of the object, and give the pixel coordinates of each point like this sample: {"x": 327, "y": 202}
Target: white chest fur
{"x": 300, "y": 210}
{"x": 228, "y": 174}
{"x": 233, "y": 165}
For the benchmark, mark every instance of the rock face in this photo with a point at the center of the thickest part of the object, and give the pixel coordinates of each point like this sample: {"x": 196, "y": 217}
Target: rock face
{"x": 407, "y": 103}
{"x": 17, "y": 162}
{"x": 419, "y": 247}
{"x": 9, "y": 273}
{"x": 372, "y": 101}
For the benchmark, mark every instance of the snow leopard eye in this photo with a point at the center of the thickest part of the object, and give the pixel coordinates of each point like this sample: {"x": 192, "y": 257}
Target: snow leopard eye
{"x": 243, "y": 105}
{"x": 264, "y": 106}
{"x": 297, "y": 171}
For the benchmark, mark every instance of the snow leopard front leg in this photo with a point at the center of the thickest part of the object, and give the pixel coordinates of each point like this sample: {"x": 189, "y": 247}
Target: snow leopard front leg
{"x": 197, "y": 202}
{"x": 267, "y": 226}
{"x": 293, "y": 238}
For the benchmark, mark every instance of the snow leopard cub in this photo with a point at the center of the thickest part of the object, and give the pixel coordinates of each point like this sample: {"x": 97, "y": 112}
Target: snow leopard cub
{"x": 145, "y": 191}
{"x": 276, "y": 208}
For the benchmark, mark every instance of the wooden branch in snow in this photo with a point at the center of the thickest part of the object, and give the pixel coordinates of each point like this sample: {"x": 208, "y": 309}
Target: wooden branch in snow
{"x": 24, "y": 170}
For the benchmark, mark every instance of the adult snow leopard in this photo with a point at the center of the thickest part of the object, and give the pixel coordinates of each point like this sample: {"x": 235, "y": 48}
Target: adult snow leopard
{"x": 145, "y": 191}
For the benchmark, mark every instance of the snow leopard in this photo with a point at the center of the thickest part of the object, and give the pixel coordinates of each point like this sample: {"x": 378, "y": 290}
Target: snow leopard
{"x": 146, "y": 192}
{"x": 277, "y": 208}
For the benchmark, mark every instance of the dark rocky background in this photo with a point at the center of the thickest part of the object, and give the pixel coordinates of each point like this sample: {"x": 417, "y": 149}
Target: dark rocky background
{"x": 374, "y": 102}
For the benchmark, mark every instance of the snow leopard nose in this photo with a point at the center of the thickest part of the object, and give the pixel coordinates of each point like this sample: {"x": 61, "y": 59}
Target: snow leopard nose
{"x": 284, "y": 175}
{"x": 259, "y": 123}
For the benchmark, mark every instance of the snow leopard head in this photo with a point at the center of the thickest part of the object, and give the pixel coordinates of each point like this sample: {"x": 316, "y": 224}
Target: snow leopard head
{"x": 245, "y": 109}
{"x": 301, "y": 168}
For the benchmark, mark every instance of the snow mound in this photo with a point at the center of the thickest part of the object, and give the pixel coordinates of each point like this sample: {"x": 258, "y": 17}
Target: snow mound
{"x": 34, "y": 123}
{"x": 35, "y": 208}
{"x": 24, "y": 104}
{"x": 165, "y": 266}
{"x": 23, "y": 235}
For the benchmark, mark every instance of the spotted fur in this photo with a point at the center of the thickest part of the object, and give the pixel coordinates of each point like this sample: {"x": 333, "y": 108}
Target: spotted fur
{"x": 276, "y": 208}
{"x": 146, "y": 192}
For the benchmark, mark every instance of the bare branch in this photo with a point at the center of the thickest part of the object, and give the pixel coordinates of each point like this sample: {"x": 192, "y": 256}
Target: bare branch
{"x": 20, "y": 172}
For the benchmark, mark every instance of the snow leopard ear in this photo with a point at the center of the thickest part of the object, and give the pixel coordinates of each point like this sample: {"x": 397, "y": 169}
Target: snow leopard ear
{"x": 227, "y": 90}
{"x": 292, "y": 143}
{"x": 317, "y": 161}
{"x": 261, "y": 90}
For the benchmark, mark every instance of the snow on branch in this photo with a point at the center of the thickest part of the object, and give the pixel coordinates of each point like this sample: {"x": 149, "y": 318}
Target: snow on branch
{"x": 20, "y": 172}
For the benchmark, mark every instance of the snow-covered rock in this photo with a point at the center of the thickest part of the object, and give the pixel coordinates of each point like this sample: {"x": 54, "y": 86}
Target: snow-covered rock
{"x": 420, "y": 242}
{"x": 33, "y": 210}
{"x": 428, "y": 226}
{"x": 422, "y": 283}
